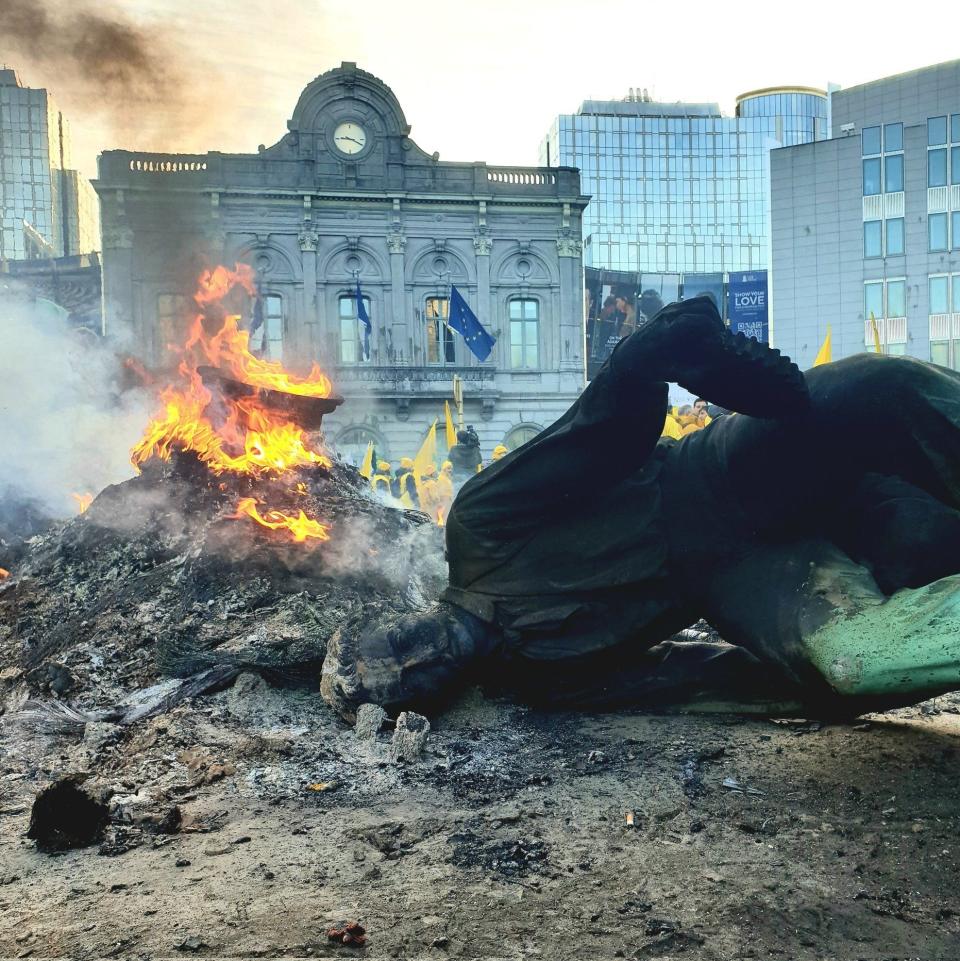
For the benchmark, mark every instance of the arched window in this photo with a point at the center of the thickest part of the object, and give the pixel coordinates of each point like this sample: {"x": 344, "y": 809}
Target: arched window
{"x": 440, "y": 344}
{"x": 352, "y": 443}
{"x": 351, "y": 330}
{"x": 519, "y": 435}
{"x": 524, "y": 333}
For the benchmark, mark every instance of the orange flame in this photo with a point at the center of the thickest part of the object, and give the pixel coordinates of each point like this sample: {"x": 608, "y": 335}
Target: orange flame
{"x": 83, "y": 501}
{"x": 441, "y": 519}
{"x": 300, "y": 526}
{"x": 4, "y": 573}
{"x": 243, "y": 435}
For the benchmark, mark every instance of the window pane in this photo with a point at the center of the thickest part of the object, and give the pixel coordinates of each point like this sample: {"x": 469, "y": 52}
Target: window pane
{"x": 936, "y": 131}
{"x": 956, "y": 293}
{"x": 348, "y": 307}
{"x": 955, "y": 165}
{"x": 348, "y": 340}
{"x": 940, "y": 352}
{"x": 873, "y": 300}
{"x": 955, "y": 225}
{"x": 516, "y": 309}
{"x": 872, "y": 238}
{"x": 936, "y": 168}
{"x": 895, "y": 236}
{"x": 893, "y": 136}
{"x": 871, "y": 177}
{"x": 871, "y": 140}
{"x": 894, "y": 173}
{"x": 273, "y": 321}
{"x": 938, "y": 231}
{"x": 955, "y": 128}
{"x": 939, "y": 292}
{"x": 896, "y": 298}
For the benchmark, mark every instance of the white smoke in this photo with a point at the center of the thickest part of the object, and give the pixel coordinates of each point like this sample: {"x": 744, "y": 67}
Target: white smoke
{"x": 65, "y": 424}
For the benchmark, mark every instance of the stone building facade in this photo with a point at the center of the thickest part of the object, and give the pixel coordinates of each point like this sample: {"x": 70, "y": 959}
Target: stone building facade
{"x": 345, "y": 196}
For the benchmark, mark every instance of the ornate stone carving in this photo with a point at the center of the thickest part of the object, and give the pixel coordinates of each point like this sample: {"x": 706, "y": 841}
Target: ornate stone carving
{"x": 309, "y": 238}
{"x": 117, "y": 237}
{"x": 482, "y": 245}
{"x": 396, "y": 242}
{"x": 569, "y": 247}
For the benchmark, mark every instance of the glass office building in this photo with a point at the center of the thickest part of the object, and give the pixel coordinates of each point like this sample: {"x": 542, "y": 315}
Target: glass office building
{"x": 677, "y": 188}
{"x": 46, "y": 209}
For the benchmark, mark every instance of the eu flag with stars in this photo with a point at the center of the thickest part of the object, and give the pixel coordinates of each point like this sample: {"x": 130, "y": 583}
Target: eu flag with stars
{"x": 464, "y": 321}
{"x": 364, "y": 319}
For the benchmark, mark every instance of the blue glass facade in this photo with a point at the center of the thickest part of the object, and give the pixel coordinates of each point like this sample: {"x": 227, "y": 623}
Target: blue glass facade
{"x": 679, "y": 188}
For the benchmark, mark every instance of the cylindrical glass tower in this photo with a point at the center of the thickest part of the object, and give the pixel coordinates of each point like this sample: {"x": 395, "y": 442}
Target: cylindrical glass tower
{"x": 800, "y": 113}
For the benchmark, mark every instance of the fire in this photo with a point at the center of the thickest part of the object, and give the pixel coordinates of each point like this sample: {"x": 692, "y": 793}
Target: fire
{"x": 83, "y": 501}
{"x": 441, "y": 519}
{"x": 4, "y": 573}
{"x": 240, "y": 435}
{"x": 301, "y": 526}
{"x": 229, "y": 349}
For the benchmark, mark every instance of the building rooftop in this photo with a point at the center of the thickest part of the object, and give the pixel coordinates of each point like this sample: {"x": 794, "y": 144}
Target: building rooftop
{"x": 648, "y": 108}
{"x": 9, "y": 77}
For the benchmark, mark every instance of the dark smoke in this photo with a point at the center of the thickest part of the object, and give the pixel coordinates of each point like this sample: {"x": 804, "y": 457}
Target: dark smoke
{"x": 135, "y": 75}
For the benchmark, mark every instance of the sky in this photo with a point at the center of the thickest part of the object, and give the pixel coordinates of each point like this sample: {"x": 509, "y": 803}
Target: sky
{"x": 476, "y": 81}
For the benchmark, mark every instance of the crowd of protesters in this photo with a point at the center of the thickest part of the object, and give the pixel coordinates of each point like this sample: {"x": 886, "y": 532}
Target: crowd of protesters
{"x": 428, "y": 489}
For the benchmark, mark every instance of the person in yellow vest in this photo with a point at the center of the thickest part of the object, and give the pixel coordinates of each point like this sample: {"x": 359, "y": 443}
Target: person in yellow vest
{"x": 700, "y": 409}
{"x": 404, "y": 484}
{"x": 671, "y": 428}
{"x": 428, "y": 491}
{"x": 381, "y": 480}
{"x": 445, "y": 486}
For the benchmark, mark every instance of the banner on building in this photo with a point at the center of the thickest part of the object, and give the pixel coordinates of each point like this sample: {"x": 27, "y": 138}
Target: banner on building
{"x": 612, "y": 313}
{"x": 747, "y": 304}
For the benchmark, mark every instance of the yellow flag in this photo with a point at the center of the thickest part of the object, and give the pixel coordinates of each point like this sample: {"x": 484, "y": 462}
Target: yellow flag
{"x": 427, "y": 454}
{"x": 826, "y": 350}
{"x": 876, "y": 334}
{"x": 366, "y": 468}
{"x": 451, "y": 430}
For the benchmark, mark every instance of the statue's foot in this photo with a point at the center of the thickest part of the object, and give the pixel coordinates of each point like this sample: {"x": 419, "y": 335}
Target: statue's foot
{"x": 903, "y": 650}
{"x": 408, "y": 661}
{"x": 687, "y": 343}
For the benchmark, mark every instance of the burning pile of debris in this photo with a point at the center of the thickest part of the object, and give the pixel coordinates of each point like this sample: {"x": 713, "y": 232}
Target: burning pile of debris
{"x": 240, "y": 545}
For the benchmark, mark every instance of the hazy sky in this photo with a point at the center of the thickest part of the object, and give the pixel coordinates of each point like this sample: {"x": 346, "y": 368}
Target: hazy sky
{"x": 477, "y": 81}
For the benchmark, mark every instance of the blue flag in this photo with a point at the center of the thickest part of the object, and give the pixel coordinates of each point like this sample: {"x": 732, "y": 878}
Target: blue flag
{"x": 464, "y": 321}
{"x": 364, "y": 319}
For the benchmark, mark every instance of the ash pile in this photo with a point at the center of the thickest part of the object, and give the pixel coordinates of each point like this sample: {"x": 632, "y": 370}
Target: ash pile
{"x": 240, "y": 546}
{"x": 159, "y": 579}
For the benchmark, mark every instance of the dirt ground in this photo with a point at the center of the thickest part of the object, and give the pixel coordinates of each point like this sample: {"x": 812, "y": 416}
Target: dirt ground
{"x": 508, "y": 838}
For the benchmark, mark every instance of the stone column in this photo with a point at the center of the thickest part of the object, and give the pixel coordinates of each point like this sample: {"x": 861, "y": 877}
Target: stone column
{"x": 486, "y": 309}
{"x": 307, "y": 333}
{"x": 118, "y": 307}
{"x": 569, "y": 252}
{"x": 397, "y": 244}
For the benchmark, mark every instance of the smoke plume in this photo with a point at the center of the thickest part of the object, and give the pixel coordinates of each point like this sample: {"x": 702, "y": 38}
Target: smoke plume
{"x": 64, "y": 425}
{"x": 137, "y": 76}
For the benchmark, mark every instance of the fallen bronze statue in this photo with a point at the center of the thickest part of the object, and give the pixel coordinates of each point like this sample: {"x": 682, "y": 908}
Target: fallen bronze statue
{"x": 818, "y": 529}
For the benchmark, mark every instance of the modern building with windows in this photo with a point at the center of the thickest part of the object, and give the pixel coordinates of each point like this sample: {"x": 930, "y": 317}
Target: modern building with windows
{"x": 679, "y": 192}
{"x": 47, "y": 210}
{"x": 867, "y": 224}
{"x": 346, "y": 198}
